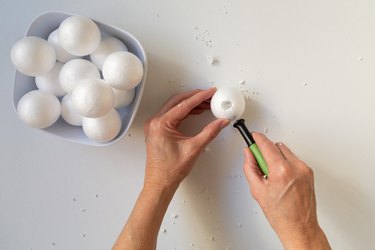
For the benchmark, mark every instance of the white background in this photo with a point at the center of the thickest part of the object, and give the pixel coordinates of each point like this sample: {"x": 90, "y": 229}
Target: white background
{"x": 311, "y": 66}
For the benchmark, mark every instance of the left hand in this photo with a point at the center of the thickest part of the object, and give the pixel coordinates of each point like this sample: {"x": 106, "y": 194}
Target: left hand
{"x": 170, "y": 154}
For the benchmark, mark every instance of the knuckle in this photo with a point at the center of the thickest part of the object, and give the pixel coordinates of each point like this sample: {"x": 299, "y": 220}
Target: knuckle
{"x": 284, "y": 169}
{"x": 211, "y": 135}
{"x": 187, "y": 104}
{"x": 174, "y": 97}
{"x": 154, "y": 124}
{"x": 254, "y": 192}
{"x": 310, "y": 172}
{"x": 306, "y": 169}
{"x": 146, "y": 125}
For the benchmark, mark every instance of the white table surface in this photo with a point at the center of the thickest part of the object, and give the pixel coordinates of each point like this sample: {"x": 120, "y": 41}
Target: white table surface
{"x": 311, "y": 66}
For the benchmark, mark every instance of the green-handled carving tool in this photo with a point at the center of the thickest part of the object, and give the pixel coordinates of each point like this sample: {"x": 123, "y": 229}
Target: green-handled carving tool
{"x": 240, "y": 125}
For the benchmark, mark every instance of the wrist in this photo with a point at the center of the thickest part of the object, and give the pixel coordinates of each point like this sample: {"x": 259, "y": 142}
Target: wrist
{"x": 311, "y": 237}
{"x": 159, "y": 188}
{"x": 160, "y": 177}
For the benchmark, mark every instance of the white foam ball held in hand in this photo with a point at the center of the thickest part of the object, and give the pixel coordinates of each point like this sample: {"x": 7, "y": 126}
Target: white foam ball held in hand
{"x": 33, "y": 56}
{"x": 69, "y": 113}
{"x": 123, "y": 97}
{"x": 75, "y": 71}
{"x": 123, "y": 70}
{"x": 79, "y": 35}
{"x": 50, "y": 82}
{"x": 228, "y": 103}
{"x": 102, "y": 129}
{"x": 93, "y": 98}
{"x": 61, "y": 54}
{"x": 39, "y": 109}
{"x": 107, "y": 46}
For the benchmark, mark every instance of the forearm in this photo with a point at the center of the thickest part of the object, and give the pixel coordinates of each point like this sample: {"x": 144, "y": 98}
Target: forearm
{"x": 142, "y": 227}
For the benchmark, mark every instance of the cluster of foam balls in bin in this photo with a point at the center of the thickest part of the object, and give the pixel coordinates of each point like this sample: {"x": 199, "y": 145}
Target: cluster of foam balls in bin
{"x": 80, "y": 75}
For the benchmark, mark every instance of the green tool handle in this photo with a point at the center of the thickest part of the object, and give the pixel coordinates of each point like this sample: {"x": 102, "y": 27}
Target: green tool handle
{"x": 259, "y": 157}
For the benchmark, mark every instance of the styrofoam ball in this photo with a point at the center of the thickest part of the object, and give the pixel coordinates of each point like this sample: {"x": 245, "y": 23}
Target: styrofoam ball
{"x": 106, "y": 47}
{"x": 93, "y": 98}
{"x": 61, "y": 54}
{"x": 123, "y": 70}
{"x": 75, "y": 71}
{"x": 33, "y": 56}
{"x": 79, "y": 35}
{"x": 102, "y": 129}
{"x": 69, "y": 113}
{"x": 123, "y": 97}
{"x": 39, "y": 109}
{"x": 228, "y": 103}
{"x": 50, "y": 82}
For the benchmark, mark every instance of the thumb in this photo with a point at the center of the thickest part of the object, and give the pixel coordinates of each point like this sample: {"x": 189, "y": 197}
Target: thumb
{"x": 210, "y": 132}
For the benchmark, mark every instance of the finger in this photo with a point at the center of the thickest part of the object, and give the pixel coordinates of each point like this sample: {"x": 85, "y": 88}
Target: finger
{"x": 196, "y": 111}
{"x": 252, "y": 172}
{"x": 200, "y": 108}
{"x": 209, "y": 132}
{"x": 204, "y": 105}
{"x": 251, "y": 167}
{"x": 287, "y": 153}
{"x": 175, "y": 99}
{"x": 176, "y": 114}
{"x": 269, "y": 150}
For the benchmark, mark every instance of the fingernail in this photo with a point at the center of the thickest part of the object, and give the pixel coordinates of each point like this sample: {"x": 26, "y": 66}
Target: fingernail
{"x": 224, "y": 123}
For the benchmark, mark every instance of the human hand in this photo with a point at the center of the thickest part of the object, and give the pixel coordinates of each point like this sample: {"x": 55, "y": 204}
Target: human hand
{"x": 287, "y": 196}
{"x": 170, "y": 154}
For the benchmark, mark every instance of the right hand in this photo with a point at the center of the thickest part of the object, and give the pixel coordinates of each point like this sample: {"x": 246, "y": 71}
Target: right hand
{"x": 287, "y": 196}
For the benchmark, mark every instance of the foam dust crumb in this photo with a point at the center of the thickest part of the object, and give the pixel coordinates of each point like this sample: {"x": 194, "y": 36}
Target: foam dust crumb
{"x": 239, "y": 224}
{"x": 174, "y": 216}
{"x": 213, "y": 238}
{"x": 360, "y": 58}
{"x": 212, "y": 60}
{"x": 192, "y": 244}
{"x": 242, "y": 82}
{"x": 245, "y": 92}
{"x": 203, "y": 36}
{"x": 97, "y": 196}
{"x": 164, "y": 230}
{"x": 83, "y": 235}
{"x": 74, "y": 199}
{"x": 265, "y": 130}
{"x": 305, "y": 84}
{"x": 83, "y": 210}
{"x": 225, "y": 10}
{"x": 53, "y": 244}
